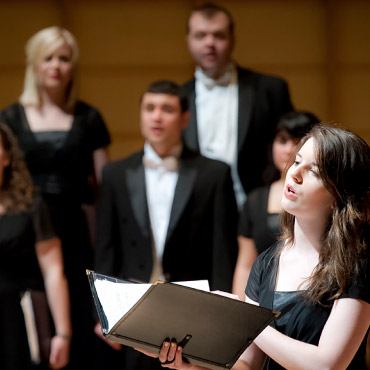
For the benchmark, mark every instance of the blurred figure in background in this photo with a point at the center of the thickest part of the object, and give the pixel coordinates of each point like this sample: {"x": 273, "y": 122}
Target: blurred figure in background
{"x": 259, "y": 222}
{"x": 234, "y": 110}
{"x": 64, "y": 142}
{"x": 27, "y": 243}
{"x": 165, "y": 212}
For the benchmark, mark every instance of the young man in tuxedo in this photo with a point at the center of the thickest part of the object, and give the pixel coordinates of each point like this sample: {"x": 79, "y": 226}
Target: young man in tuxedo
{"x": 166, "y": 212}
{"x": 234, "y": 111}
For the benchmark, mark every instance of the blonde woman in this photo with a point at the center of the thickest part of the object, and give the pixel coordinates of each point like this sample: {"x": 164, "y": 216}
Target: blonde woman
{"x": 64, "y": 142}
{"x": 27, "y": 243}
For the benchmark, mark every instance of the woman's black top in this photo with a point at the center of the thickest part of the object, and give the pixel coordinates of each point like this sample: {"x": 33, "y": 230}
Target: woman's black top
{"x": 300, "y": 319}
{"x": 61, "y": 163}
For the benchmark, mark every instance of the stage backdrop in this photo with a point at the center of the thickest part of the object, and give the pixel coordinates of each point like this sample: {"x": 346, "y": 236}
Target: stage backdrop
{"x": 320, "y": 47}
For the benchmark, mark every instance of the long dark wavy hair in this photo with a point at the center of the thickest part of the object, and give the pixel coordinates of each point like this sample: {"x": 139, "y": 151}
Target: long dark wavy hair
{"x": 16, "y": 191}
{"x": 343, "y": 161}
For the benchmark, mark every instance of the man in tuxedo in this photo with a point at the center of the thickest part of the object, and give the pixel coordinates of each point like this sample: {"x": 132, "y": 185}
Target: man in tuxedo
{"x": 166, "y": 212}
{"x": 234, "y": 111}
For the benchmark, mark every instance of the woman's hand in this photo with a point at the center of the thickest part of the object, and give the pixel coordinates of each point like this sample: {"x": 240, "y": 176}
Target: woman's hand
{"x": 98, "y": 331}
{"x": 170, "y": 356}
{"x": 59, "y": 351}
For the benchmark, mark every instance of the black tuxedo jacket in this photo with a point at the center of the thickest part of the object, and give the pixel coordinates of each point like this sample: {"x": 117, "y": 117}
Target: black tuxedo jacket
{"x": 262, "y": 101}
{"x": 201, "y": 240}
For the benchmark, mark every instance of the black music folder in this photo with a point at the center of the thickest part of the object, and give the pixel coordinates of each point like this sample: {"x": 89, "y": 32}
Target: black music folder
{"x": 217, "y": 328}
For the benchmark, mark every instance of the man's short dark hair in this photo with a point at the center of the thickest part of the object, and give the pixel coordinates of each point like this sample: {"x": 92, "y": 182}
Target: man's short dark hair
{"x": 209, "y": 10}
{"x": 169, "y": 88}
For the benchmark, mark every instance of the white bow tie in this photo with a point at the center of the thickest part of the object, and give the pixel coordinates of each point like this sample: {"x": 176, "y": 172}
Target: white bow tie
{"x": 210, "y": 83}
{"x": 168, "y": 163}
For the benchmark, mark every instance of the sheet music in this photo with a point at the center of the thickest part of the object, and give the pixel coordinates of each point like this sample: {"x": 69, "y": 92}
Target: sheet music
{"x": 118, "y": 298}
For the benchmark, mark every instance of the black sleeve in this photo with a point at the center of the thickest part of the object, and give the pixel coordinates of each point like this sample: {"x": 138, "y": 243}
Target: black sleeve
{"x": 261, "y": 281}
{"x": 100, "y": 137}
{"x": 246, "y": 218}
{"x": 98, "y": 133}
{"x": 11, "y": 116}
{"x": 359, "y": 287}
{"x": 41, "y": 221}
{"x": 253, "y": 286}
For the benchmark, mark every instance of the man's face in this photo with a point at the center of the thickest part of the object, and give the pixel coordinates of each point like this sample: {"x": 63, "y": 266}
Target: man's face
{"x": 162, "y": 121}
{"x": 210, "y": 42}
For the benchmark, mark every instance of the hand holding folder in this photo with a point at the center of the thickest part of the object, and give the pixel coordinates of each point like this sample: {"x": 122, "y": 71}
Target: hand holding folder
{"x": 217, "y": 328}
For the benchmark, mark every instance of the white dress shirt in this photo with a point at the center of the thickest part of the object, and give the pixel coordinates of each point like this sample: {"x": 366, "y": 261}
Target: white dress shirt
{"x": 217, "y": 119}
{"x": 160, "y": 191}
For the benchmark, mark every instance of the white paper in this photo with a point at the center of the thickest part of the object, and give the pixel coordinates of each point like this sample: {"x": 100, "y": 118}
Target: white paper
{"x": 118, "y": 298}
{"x": 196, "y": 284}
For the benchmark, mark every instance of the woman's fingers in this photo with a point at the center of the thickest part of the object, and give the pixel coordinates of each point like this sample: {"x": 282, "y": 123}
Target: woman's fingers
{"x": 168, "y": 351}
{"x": 172, "y": 350}
{"x": 170, "y": 355}
{"x": 163, "y": 354}
{"x": 178, "y": 364}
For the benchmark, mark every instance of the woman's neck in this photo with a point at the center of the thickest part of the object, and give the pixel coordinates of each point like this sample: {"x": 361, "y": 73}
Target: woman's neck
{"x": 53, "y": 98}
{"x": 308, "y": 234}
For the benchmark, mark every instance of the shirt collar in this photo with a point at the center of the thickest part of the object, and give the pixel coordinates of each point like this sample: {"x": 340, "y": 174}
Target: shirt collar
{"x": 150, "y": 153}
{"x": 225, "y": 79}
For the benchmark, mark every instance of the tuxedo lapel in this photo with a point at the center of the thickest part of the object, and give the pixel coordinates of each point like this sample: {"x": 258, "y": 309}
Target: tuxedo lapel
{"x": 135, "y": 179}
{"x": 183, "y": 190}
{"x": 191, "y": 132}
{"x": 245, "y": 104}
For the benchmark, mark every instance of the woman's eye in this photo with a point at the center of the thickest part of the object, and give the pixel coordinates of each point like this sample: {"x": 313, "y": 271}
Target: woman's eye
{"x": 64, "y": 59}
{"x": 314, "y": 172}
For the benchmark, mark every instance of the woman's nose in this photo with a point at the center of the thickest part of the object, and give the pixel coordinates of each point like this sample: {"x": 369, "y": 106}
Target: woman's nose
{"x": 55, "y": 62}
{"x": 296, "y": 175}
